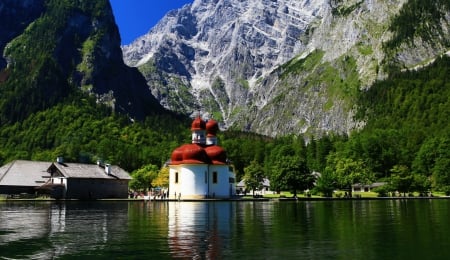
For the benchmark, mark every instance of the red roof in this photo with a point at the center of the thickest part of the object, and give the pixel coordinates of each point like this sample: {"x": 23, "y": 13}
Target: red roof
{"x": 196, "y": 154}
{"x": 189, "y": 154}
{"x": 198, "y": 124}
{"x": 216, "y": 154}
{"x": 200, "y": 153}
{"x": 212, "y": 127}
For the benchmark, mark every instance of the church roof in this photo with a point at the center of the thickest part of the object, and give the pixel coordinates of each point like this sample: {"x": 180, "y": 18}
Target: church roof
{"x": 200, "y": 153}
{"x": 198, "y": 124}
{"x": 212, "y": 127}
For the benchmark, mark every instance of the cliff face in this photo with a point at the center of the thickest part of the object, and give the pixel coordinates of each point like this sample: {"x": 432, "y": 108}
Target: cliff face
{"x": 277, "y": 67}
{"x": 55, "y": 49}
{"x": 266, "y": 66}
{"x": 10, "y": 13}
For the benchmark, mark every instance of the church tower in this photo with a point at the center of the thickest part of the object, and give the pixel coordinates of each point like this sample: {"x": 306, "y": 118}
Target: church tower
{"x": 211, "y": 131}
{"x": 198, "y": 131}
{"x": 200, "y": 169}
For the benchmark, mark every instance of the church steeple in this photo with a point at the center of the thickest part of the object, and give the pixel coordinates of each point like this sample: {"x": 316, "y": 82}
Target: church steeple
{"x": 198, "y": 131}
{"x": 211, "y": 132}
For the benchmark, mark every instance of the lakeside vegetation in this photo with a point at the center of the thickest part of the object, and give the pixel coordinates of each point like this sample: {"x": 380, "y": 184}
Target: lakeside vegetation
{"x": 405, "y": 143}
{"x": 45, "y": 113}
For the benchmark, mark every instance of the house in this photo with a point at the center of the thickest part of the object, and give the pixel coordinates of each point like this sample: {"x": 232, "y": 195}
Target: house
{"x": 201, "y": 169}
{"x": 21, "y": 176}
{"x": 241, "y": 188}
{"x": 64, "y": 180}
{"x": 87, "y": 181}
{"x": 366, "y": 187}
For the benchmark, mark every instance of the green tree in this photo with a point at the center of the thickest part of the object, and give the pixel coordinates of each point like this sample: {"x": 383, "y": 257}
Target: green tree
{"x": 441, "y": 172}
{"x": 401, "y": 179}
{"x": 326, "y": 184}
{"x": 143, "y": 177}
{"x": 349, "y": 171}
{"x": 433, "y": 159}
{"x": 254, "y": 176}
{"x": 421, "y": 184}
{"x": 162, "y": 180}
{"x": 426, "y": 157}
{"x": 292, "y": 173}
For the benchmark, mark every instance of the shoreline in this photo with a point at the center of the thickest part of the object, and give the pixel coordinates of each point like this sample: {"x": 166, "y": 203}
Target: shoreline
{"x": 301, "y": 199}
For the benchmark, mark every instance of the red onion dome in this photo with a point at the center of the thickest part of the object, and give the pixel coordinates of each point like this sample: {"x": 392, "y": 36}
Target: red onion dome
{"x": 212, "y": 127}
{"x": 198, "y": 124}
{"x": 193, "y": 153}
{"x": 189, "y": 154}
{"x": 216, "y": 154}
{"x": 177, "y": 156}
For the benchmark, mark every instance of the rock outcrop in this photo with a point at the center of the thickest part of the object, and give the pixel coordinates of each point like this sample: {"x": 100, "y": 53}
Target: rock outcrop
{"x": 279, "y": 66}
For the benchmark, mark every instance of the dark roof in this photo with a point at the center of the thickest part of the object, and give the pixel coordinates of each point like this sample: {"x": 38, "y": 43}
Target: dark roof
{"x": 265, "y": 183}
{"x": 372, "y": 185}
{"x": 24, "y": 173}
{"x": 91, "y": 171}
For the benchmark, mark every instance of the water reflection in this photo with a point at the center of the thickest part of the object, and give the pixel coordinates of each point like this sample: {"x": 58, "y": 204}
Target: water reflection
{"x": 199, "y": 230}
{"x": 22, "y": 223}
{"x": 51, "y": 230}
{"x": 391, "y": 229}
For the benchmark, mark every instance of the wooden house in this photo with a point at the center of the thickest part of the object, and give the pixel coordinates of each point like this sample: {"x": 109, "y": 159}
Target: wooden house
{"x": 88, "y": 181}
{"x": 23, "y": 177}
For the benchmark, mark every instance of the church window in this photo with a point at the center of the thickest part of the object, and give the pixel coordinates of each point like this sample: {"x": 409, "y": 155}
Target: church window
{"x": 214, "y": 177}
{"x": 176, "y": 177}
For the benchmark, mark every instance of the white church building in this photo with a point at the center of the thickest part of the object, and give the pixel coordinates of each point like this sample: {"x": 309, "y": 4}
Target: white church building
{"x": 200, "y": 170}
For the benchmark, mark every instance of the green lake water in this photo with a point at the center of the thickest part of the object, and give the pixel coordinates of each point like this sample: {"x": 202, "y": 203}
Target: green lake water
{"x": 338, "y": 229}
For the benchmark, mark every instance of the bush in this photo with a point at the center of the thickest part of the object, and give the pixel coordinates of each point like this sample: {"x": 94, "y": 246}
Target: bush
{"x": 383, "y": 191}
{"x": 446, "y": 190}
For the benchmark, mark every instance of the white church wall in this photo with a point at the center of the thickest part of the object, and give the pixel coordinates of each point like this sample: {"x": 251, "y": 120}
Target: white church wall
{"x": 222, "y": 188}
{"x": 191, "y": 181}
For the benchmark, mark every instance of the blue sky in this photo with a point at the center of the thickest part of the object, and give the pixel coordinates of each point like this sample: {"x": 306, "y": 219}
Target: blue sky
{"x": 136, "y": 17}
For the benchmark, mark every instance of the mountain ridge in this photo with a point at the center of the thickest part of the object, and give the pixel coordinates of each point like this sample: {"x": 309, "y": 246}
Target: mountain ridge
{"x": 212, "y": 58}
{"x": 65, "y": 49}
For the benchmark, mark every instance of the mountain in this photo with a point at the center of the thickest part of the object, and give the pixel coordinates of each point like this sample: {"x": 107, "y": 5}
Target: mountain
{"x": 56, "y": 51}
{"x": 65, "y": 90}
{"x": 285, "y": 66}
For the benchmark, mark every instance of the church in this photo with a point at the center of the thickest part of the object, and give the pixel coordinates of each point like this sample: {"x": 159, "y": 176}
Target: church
{"x": 201, "y": 170}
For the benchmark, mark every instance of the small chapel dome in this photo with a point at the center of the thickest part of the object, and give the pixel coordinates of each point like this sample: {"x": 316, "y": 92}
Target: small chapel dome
{"x": 212, "y": 127}
{"x": 198, "y": 124}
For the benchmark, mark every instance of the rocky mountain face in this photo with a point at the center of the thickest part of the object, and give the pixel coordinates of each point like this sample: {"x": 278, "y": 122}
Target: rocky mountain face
{"x": 52, "y": 50}
{"x": 285, "y": 66}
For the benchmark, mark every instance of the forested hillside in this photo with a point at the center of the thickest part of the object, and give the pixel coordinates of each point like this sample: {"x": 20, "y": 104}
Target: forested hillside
{"x": 405, "y": 142}
{"x": 84, "y": 132}
{"x": 71, "y": 47}
{"x": 65, "y": 91}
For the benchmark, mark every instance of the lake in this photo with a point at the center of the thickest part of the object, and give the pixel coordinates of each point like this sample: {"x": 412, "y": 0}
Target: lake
{"x": 337, "y": 229}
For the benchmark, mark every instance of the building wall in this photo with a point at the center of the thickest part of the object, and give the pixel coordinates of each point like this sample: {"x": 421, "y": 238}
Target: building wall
{"x": 191, "y": 181}
{"x": 17, "y": 189}
{"x": 197, "y": 181}
{"x": 78, "y": 188}
{"x": 223, "y": 188}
